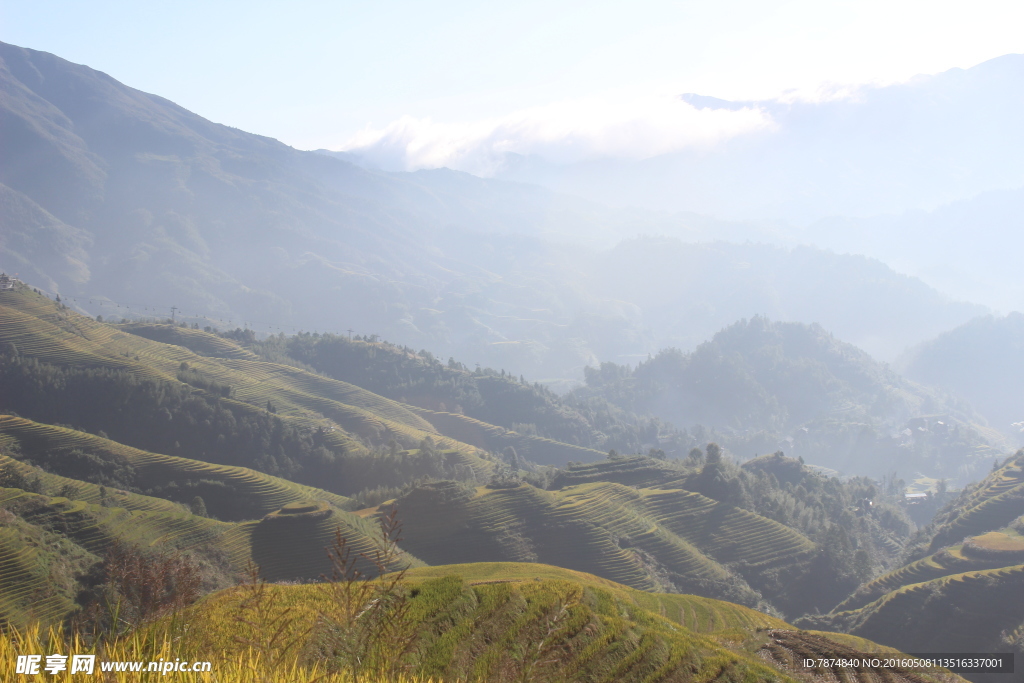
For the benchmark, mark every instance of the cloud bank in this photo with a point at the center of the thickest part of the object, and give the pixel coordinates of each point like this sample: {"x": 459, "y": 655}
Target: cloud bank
{"x": 562, "y": 132}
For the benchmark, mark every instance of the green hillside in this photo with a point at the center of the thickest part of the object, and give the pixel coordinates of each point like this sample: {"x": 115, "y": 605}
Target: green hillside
{"x": 489, "y": 437}
{"x": 699, "y": 614}
{"x": 232, "y": 493}
{"x": 485, "y": 407}
{"x": 645, "y": 538}
{"x": 963, "y": 597}
{"x": 931, "y": 616}
{"x": 991, "y": 504}
{"x": 763, "y": 385}
{"x": 278, "y": 418}
{"x": 49, "y": 544}
{"x": 980, "y": 360}
{"x": 501, "y": 621}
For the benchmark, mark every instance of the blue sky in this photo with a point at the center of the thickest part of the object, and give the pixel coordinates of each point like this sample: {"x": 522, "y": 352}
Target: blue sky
{"x": 443, "y": 74}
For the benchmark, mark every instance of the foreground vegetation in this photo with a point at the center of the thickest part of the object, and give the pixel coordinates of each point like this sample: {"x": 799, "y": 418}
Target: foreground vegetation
{"x": 180, "y": 457}
{"x": 483, "y": 622}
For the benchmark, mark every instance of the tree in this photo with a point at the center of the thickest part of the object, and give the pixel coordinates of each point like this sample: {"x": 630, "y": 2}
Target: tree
{"x": 512, "y": 458}
{"x": 714, "y": 452}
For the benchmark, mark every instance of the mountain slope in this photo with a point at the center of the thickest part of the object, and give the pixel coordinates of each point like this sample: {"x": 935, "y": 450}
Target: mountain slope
{"x": 767, "y": 385}
{"x": 59, "y": 359}
{"x": 502, "y": 621}
{"x": 982, "y": 361}
{"x": 128, "y": 205}
{"x": 647, "y": 538}
{"x": 967, "y": 593}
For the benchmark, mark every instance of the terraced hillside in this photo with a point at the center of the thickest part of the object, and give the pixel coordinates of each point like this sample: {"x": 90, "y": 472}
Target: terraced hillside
{"x": 33, "y": 586}
{"x": 198, "y": 342}
{"x": 492, "y": 438}
{"x": 631, "y": 471}
{"x": 289, "y": 543}
{"x": 699, "y": 614}
{"x": 967, "y": 612}
{"x": 644, "y": 538}
{"x": 963, "y": 597}
{"x": 47, "y": 542}
{"x": 991, "y": 550}
{"x": 32, "y": 326}
{"x": 997, "y": 501}
{"x": 500, "y": 621}
{"x": 231, "y": 493}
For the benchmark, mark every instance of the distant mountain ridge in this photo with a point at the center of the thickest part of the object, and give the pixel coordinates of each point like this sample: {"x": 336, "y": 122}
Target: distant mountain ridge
{"x": 768, "y": 385}
{"x": 127, "y": 205}
{"x": 983, "y": 361}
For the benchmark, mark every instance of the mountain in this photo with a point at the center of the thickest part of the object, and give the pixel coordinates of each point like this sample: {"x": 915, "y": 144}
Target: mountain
{"x": 961, "y": 248}
{"x": 129, "y": 206}
{"x": 684, "y": 292}
{"x": 982, "y": 361}
{"x": 966, "y": 583}
{"x": 172, "y": 419}
{"x": 766, "y": 385}
{"x": 505, "y": 621}
{"x": 869, "y": 150}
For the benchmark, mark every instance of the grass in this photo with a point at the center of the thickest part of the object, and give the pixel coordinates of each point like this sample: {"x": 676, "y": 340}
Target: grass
{"x": 699, "y": 614}
{"x": 511, "y": 622}
{"x": 155, "y": 645}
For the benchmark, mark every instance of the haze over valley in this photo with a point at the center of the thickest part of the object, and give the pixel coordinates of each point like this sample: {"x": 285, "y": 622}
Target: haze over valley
{"x": 521, "y": 377}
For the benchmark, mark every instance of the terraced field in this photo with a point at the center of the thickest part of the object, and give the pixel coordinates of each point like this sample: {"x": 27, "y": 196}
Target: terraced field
{"x": 40, "y": 329}
{"x": 242, "y": 489}
{"x": 993, "y": 505}
{"x": 95, "y": 527}
{"x": 701, "y": 615}
{"x": 631, "y": 471}
{"x": 293, "y": 542}
{"x": 644, "y": 538}
{"x": 561, "y": 629}
{"x": 290, "y": 543}
{"x": 493, "y": 438}
{"x": 946, "y": 562}
{"x": 24, "y": 581}
{"x": 964, "y": 612}
{"x": 731, "y": 534}
{"x": 516, "y": 621}
{"x": 200, "y": 343}
{"x": 960, "y": 598}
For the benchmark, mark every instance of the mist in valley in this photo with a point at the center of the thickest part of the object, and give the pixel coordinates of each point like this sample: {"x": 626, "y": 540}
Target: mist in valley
{"x": 799, "y": 303}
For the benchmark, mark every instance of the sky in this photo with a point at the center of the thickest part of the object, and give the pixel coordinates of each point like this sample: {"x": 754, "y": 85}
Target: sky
{"x": 571, "y": 80}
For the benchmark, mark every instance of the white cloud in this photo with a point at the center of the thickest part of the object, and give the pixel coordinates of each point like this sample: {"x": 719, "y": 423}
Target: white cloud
{"x": 610, "y": 126}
